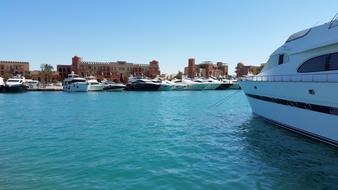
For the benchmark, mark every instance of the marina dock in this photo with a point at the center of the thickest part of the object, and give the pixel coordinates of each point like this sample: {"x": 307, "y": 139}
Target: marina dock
{"x": 46, "y": 89}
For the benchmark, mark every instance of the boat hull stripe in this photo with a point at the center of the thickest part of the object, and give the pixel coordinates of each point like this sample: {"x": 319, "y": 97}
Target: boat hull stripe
{"x": 301, "y": 105}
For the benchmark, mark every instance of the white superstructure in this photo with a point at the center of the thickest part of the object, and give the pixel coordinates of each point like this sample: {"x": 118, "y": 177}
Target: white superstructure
{"x": 15, "y": 81}
{"x": 93, "y": 84}
{"x": 298, "y": 86}
{"x": 74, "y": 83}
{"x": 2, "y": 83}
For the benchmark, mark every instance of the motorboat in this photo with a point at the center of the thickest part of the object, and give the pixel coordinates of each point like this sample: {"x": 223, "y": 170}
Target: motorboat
{"x": 197, "y": 84}
{"x": 225, "y": 84}
{"x": 93, "y": 84}
{"x": 213, "y": 84}
{"x": 32, "y": 83}
{"x": 165, "y": 85}
{"x": 200, "y": 84}
{"x": 16, "y": 84}
{"x": 2, "y": 85}
{"x": 112, "y": 86}
{"x": 75, "y": 83}
{"x": 178, "y": 84}
{"x": 297, "y": 88}
{"x": 142, "y": 84}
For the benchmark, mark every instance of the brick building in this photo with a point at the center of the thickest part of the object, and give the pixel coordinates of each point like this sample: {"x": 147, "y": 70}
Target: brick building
{"x": 13, "y": 68}
{"x": 243, "y": 70}
{"x": 206, "y": 69}
{"x": 117, "y": 71}
{"x": 45, "y": 77}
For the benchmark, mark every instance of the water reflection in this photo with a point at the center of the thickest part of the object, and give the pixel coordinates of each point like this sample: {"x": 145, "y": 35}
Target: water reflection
{"x": 289, "y": 160}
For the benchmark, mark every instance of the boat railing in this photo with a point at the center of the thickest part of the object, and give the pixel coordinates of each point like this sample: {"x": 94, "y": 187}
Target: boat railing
{"x": 334, "y": 21}
{"x": 328, "y": 77}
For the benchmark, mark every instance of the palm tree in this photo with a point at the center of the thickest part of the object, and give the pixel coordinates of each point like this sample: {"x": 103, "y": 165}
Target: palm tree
{"x": 46, "y": 70}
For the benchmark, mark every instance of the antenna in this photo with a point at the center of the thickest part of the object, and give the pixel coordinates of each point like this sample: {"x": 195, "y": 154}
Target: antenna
{"x": 334, "y": 21}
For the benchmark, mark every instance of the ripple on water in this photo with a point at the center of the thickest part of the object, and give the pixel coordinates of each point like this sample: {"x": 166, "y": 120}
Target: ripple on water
{"x": 147, "y": 140}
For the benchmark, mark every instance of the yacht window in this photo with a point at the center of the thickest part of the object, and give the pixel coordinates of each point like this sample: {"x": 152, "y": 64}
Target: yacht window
{"x": 281, "y": 59}
{"x": 13, "y": 81}
{"x": 298, "y": 35}
{"x": 333, "y": 63}
{"x": 315, "y": 64}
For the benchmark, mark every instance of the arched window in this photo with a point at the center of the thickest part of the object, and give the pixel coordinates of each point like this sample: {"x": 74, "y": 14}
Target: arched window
{"x": 333, "y": 61}
{"x": 315, "y": 64}
{"x": 327, "y": 62}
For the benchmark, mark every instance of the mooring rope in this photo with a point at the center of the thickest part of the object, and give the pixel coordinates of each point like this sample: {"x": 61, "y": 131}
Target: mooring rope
{"x": 223, "y": 100}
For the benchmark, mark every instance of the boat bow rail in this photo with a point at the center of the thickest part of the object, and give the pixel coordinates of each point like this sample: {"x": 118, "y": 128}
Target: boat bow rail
{"x": 327, "y": 77}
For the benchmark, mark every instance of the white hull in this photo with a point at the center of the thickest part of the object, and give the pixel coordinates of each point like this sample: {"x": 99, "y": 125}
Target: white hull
{"x": 92, "y": 88}
{"x": 212, "y": 86}
{"x": 165, "y": 87}
{"x": 319, "y": 121}
{"x": 179, "y": 87}
{"x": 76, "y": 87}
{"x": 196, "y": 86}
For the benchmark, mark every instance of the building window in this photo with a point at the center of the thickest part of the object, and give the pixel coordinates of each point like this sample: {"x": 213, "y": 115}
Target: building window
{"x": 316, "y": 64}
{"x": 281, "y": 59}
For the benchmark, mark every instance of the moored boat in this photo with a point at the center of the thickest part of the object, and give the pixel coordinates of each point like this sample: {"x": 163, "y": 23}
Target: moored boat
{"x": 142, "y": 84}
{"x": 15, "y": 84}
{"x": 2, "y": 85}
{"x": 164, "y": 85}
{"x": 93, "y": 84}
{"x": 197, "y": 84}
{"x": 112, "y": 86}
{"x": 74, "y": 83}
{"x": 297, "y": 88}
{"x": 212, "y": 84}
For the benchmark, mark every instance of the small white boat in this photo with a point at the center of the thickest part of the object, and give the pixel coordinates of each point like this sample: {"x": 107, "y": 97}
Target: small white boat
{"x": 32, "y": 83}
{"x": 74, "y": 83}
{"x": 93, "y": 84}
{"x": 16, "y": 84}
{"x": 112, "y": 86}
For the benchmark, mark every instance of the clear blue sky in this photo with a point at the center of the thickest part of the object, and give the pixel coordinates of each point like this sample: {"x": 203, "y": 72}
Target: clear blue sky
{"x": 138, "y": 31}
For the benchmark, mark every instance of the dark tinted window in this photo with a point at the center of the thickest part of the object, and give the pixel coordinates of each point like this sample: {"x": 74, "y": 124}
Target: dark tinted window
{"x": 316, "y": 64}
{"x": 281, "y": 59}
{"x": 333, "y": 63}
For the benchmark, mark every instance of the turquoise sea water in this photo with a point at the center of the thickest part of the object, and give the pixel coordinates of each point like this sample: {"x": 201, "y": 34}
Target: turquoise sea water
{"x": 153, "y": 140}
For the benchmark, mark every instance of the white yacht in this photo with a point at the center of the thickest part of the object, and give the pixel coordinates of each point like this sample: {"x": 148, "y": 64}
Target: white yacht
{"x": 297, "y": 89}
{"x": 141, "y": 84}
{"x": 178, "y": 84}
{"x": 164, "y": 85}
{"x": 93, "y": 84}
{"x": 196, "y": 84}
{"x": 74, "y": 83}
{"x": 16, "y": 84}
{"x": 32, "y": 83}
{"x": 212, "y": 84}
{"x": 112, "y": 86}
{"x": 2, "y": 85}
